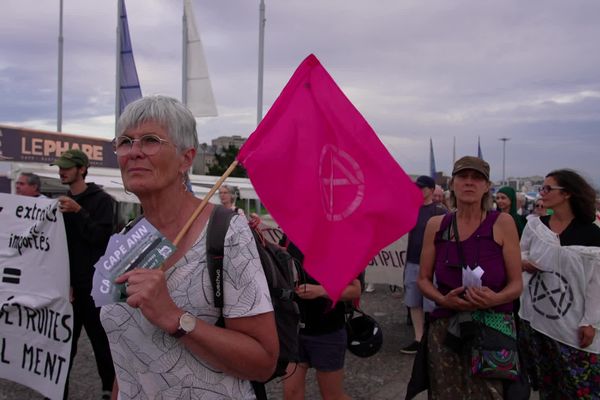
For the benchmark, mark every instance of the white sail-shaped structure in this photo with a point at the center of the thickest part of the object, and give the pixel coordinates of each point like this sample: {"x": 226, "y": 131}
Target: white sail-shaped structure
{"x": 197, "y": 91}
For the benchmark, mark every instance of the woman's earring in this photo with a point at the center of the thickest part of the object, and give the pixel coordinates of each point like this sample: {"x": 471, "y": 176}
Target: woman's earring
{"x": 184, "y": 182}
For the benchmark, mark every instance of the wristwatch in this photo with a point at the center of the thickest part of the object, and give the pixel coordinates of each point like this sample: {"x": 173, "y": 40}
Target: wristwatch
{"x": 187, "y": 323}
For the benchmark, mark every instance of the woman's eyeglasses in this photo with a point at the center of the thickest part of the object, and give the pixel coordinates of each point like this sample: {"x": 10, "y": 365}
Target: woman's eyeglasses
{"x": 539, "y": 206}
{"x": 149, "y": 144}
{"x": 547, "y": 189}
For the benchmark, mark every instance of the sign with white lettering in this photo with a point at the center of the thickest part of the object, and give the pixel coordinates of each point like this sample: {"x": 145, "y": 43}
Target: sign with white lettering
{"x": 36, "y": 317}
{"x": 388, "y": 265}
{"x": 140, "y": 246}
{"x": 17, "y": 144}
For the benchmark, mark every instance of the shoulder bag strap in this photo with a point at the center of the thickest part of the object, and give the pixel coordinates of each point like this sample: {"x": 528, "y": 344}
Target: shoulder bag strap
{"x": 461, "y": 256}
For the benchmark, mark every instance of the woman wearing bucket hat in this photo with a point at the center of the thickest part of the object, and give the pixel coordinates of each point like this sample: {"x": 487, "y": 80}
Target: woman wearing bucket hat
{"x": 471, "y": 237}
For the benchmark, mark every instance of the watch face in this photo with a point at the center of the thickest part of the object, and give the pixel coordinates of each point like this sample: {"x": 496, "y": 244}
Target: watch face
{"x": 187, "y": 322}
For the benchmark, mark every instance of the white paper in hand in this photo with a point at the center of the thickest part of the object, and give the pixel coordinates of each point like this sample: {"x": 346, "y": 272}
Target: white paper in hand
{"x": 472, "y": 277}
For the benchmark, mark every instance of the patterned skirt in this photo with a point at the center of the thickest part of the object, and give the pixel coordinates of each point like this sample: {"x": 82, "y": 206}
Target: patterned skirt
{"x": 449, "y": 372}
{"x": 557, "y": 370}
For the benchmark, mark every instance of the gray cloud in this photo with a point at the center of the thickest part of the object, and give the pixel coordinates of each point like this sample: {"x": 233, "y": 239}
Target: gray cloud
{"x": 524, "y": 70}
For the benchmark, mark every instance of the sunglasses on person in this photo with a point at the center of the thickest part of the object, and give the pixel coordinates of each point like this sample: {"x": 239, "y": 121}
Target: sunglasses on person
{"x": 539, "y": 206}
{"x": 548, "y": 188}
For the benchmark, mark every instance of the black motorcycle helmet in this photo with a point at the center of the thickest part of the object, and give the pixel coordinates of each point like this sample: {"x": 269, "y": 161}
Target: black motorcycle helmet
{"x": 364, "y": 336}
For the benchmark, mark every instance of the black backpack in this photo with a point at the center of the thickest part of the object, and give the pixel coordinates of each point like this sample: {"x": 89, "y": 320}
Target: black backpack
{"x": 278, "y": 267}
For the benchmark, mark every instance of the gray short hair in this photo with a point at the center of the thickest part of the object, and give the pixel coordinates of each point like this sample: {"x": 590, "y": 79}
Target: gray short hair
{"x": 233, "y": 191}
{"x": 33, "y": 180}
{"x": 167, "y": 111}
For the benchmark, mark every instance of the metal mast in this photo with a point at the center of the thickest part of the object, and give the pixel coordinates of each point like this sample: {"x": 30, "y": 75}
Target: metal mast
{"x": 261, "y": 56}
{"x": 118, "y": 67}
{"x": 504, "y": 140}
{"x": 60, "y": 70}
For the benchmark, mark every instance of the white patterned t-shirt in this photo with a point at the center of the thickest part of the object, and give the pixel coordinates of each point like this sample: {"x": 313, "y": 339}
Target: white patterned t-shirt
{"x": 149, "y": 363}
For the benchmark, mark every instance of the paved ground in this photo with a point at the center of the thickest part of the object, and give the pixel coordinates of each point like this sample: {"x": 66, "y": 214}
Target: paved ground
{"x": 385, "y": 375}
{"x": 381, "y": 377}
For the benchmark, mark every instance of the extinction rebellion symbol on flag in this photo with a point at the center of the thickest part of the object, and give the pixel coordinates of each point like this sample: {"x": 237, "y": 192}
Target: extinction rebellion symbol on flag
{"x": 342, "y": 183}
{"x": 551, "y": 294}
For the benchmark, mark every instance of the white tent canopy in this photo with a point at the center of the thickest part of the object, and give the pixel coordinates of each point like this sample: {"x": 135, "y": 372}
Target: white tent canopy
{"x": 110, "y": 180}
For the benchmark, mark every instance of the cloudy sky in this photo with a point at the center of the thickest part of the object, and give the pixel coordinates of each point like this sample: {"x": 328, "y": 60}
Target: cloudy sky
{"x": 529, "y": 71}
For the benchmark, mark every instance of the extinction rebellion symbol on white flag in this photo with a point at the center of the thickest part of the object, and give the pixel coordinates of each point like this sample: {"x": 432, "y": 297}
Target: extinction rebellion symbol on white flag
{"x": 36, "y": 317}
{"x": 551, "y": 294}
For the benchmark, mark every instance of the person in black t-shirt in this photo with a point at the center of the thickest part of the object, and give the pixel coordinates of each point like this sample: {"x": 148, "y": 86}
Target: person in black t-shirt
{"x": 322, "y": 339}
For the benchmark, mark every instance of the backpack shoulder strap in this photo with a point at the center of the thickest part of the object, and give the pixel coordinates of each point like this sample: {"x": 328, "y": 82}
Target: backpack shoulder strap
{"x": 218, "y": 224}
{"x": 215, "y": 251}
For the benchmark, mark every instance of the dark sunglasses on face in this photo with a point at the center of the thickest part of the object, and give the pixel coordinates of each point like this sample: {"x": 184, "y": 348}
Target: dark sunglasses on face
{"x": 539, "y": 206}
{"x": 547, "y": 188}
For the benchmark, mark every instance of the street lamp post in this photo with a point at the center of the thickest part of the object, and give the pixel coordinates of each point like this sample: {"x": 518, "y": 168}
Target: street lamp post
{"x": 504, "y": 140}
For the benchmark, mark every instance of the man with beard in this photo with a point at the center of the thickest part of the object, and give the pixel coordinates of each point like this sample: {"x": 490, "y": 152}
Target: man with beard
{"x": 88, "y": 212}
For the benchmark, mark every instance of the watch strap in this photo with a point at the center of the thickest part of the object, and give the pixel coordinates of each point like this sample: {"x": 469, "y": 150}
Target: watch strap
{"x": 178, "y": 333}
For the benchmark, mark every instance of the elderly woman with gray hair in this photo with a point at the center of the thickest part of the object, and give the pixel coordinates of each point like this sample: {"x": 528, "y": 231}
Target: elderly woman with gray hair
{"x": 164, "y": 340}
{"x": 228, "y": 194}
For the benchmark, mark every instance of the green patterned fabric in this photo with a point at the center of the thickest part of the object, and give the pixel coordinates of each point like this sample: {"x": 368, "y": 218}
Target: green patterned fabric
{"x": 502, "y": 322}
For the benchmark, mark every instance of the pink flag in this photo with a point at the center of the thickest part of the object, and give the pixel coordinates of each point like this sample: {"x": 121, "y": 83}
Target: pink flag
{"x": 327, "y": 180}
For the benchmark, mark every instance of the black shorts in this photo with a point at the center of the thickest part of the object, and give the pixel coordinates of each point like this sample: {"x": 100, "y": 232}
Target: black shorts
{"x": 324, "y": 352}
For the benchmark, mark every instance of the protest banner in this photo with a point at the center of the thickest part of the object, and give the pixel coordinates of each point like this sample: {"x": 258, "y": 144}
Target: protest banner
{"x": 36, "y": 317}
{"x": 388, "y": 265}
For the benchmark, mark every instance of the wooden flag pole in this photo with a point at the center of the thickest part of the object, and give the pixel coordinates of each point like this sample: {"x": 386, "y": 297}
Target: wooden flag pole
{"x": 204, "y": 202}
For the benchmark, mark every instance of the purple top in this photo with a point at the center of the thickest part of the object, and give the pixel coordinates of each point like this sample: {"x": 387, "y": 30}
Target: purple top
{"x": 479, "y": 249}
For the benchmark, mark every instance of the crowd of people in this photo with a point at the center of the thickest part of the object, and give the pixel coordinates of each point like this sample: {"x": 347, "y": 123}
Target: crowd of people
{"x": 165, "y": 340}
{"x": 539, "y": 285}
